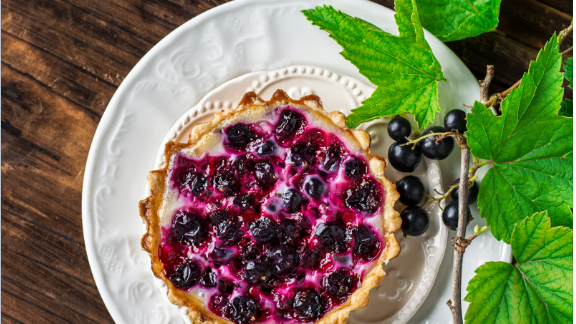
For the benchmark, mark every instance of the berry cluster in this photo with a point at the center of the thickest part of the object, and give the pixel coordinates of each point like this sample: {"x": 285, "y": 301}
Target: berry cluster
{"x": 406, "y": 158}
{"x": 278, "y": 227}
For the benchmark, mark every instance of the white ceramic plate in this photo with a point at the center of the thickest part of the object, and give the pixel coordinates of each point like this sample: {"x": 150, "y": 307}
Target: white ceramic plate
{"x": 219, "y": 45}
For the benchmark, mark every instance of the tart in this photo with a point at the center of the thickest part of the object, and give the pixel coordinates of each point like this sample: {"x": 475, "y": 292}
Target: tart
{"x": 273, "y": 212}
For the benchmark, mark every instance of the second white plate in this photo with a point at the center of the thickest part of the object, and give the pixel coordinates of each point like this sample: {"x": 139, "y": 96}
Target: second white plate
{"x": 410, "y": 276}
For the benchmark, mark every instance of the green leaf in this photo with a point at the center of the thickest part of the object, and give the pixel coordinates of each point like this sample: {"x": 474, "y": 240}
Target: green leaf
{"x": 530, "y": 147}
{"x": 468, "y": 18}
{"x": 403, "y": 67}
{"x": 569, "y": 71}
{"x": 566, "y": 108}
{"x": 537, "y": 289}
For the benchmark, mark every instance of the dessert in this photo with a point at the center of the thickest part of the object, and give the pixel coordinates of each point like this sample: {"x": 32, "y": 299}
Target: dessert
{"x": 273, "y": 212}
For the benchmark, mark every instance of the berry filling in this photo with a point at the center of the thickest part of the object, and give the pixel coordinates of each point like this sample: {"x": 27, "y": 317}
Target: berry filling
{"x": 278, "y": 228}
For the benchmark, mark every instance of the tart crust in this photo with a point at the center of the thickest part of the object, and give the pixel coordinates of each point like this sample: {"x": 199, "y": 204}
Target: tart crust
{"x": 200, "y": 139}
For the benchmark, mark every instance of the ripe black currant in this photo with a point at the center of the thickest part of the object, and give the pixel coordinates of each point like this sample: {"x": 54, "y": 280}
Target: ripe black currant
{"x": 454, "y": 120}
{"x": 433, "y": 150}
{"x": 472, "y": 192}
{"x": 411, "y": 190}
{"x": 404, "y": 158}
{"x": 415, "y": 221}
{"x": 450, "y": 215}
{"x": 399, "y": 128}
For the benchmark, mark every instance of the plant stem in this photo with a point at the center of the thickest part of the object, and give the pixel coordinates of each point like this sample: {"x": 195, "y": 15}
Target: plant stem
{"x": 441, "y": 136}
{"x": 568, "y": 50}
{"x": 563, "y": 33}
{"x": 471, "y": 180}
{"x": 485, "y": 84}
{"x": 460, "y": 242}
{"x": 498, "y": 97}
{"x": 455, "y": 303}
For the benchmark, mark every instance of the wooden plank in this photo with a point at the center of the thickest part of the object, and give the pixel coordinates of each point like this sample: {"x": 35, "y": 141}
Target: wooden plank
{"x": 44, "y": 246}
{"x": 565, "y": 6}
{"x": 532, "y": 23}
{"x": 7, "y": 319}
{"x": 78, "y": 53}
{"x": 128, "y": 17}
{"x": 83, "y": 26}
{"x": 386, "y": 3}
{"x": 14, "y": 305}
{"x": 45, "y": 141}
{"x": 36, "y": 293}
{"x": 198, "y": 6}
{"x": 64, "y": 78}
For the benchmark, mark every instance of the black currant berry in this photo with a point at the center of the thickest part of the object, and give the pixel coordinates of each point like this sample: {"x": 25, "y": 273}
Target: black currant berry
{"x": 338, "y": 283}
{"x": 244, "y": 201}
{"x": 255, "y": 271}
{"x": 239, "y": 136}
{"x": 308, "y": 304}
{"x": 455, "y": 120}
{"x": 415, "y": 221}
{"x": 209, "y": 278}
{"x": 311, "y": 259}
{"x": 266, "y": 149}
{"x": 472, "y": 192}
{"x": 188, "y": 227}
{"x": 314, "y": 187}
{"x": 290, "y": 125}
{"x": 218, "y": 302}
{"x": 292, "y": 201}
{"x": 217, "y": 217}
{"x": 225, "y": 181}
{"x": 354, "y": 168}
{"x": 450, "y": 215}
{"x": 195, "y": 181}
{"x": 411, "y": 190}
{"x": 364, "y": 195}
{"x": 186, "y": 275}
{"x": 229, "y": 231}
{"x": 264, "y": 174}
{"x": 226, "y": 286}
{"x": 404, "y": 158}
{"x": 291, "y": 231}
{"x": 332, "y": 237}
{"x": 222, "y": 256}
{"x": 366, "y": 243}
{"x": 244, "y": 309}
{"x": 332, "y": 158}
{"x": 433, "y": 150}
{"x": 284, "y": 259}
{"x": 264, "y": 231}
{"x": 399, "y": 128}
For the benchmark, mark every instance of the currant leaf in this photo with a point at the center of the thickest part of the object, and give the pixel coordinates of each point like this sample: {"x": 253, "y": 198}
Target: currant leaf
{"x": 467, "y": 18}
{"x": 566, "y": 108}
{"x": 530, "y": 147}
{"x": 569, "y": 71}
{"x": 402, "y": 67}
{"x": 537, "y": 289}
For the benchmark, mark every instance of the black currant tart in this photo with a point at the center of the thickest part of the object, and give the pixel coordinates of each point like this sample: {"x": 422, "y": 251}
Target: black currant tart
{"x": 273, "y": 212}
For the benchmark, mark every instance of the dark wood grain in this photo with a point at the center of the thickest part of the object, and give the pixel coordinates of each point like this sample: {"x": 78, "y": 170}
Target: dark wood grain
{"x": 62, "y": 60}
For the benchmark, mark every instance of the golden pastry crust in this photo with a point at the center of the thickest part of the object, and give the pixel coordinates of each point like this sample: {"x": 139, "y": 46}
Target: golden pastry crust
{"x": 200, "y": 139}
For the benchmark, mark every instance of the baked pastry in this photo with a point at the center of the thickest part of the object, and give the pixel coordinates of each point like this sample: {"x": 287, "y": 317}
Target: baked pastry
{"x": 273, "y": 212}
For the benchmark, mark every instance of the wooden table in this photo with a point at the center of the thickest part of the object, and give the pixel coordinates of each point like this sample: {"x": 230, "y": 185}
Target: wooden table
{"x": 62, "y": 60}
